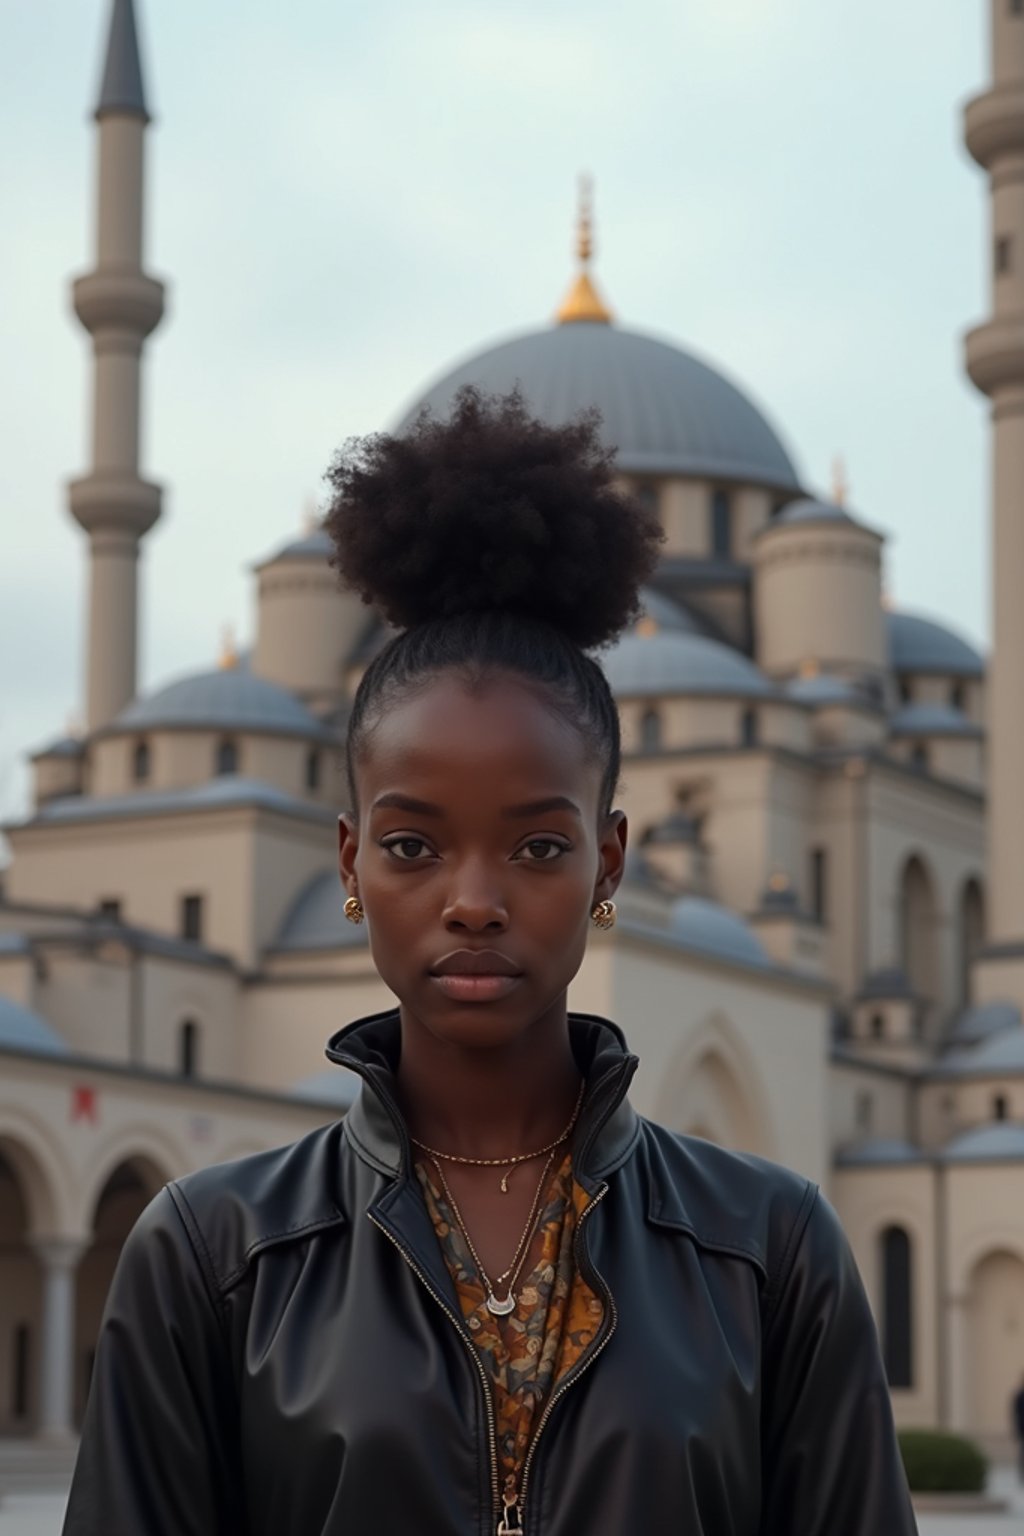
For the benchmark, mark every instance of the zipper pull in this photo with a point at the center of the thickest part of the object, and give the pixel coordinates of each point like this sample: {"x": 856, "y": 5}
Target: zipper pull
{"x": 512, "y": 1512}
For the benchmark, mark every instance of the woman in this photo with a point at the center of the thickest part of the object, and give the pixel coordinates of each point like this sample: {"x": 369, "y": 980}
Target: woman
{"x": 492, "y": 1299}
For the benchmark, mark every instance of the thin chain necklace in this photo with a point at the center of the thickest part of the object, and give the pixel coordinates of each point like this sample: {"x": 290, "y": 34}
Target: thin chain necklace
{"x": 500, "y": 1306}
{"x": 509, "y": 1163}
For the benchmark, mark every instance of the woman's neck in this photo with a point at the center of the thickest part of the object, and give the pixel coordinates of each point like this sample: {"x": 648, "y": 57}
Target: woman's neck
{"x": 475, "y": 1102}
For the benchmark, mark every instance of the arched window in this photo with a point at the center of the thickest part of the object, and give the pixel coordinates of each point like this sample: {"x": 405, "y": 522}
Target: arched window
{"x": 1000, "y": 1107}
{"x": 917, "y": 929}
{"x": 972, "y": 933}
{"x": 141, "y": 762}
{"x": 650, "y": 731}
{"x": 313, "y": 769}
{"x": 819, "y": 884}
{"x": 897, "y": 1320}
{"x": 20, "y": 1363}
{"x": 227, "y": 758}
{"x": 748, "y": 728}
{"x": 721, "y": 525}
{"x": 906, "y": 691}
{"x": 919, "y": 756}
{"x": 878, "y": 1026}
{"x": 188, "y": 1048}
{"x": 957, "y": 695}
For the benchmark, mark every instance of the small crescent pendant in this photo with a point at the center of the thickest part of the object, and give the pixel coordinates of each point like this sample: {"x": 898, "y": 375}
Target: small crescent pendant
{"x": 501, "y": 1308}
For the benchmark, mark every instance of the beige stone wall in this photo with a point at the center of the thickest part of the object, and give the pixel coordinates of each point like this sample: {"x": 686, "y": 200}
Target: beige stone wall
{"x": 868, "y": 1103}
{"x": 818, "y": 596}
{"x": 305, "y": 627}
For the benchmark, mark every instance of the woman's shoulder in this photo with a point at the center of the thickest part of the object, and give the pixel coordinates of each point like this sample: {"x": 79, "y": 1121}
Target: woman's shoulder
{"x": 727, "y": 1201}
{"x": 235, "y": 1210}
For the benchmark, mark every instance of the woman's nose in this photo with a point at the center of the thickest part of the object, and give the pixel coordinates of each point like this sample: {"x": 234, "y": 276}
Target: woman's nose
{"x": 475, "y": 902}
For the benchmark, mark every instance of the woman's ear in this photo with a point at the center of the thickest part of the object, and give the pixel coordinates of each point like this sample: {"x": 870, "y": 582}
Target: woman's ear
{"x": 612, "y": 854}
{"x": 348, "y": 847}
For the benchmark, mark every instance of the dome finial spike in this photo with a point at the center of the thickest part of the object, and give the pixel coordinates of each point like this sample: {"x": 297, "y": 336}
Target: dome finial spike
{"x": 228, "y": 652}
{"x": 583, "y": 302}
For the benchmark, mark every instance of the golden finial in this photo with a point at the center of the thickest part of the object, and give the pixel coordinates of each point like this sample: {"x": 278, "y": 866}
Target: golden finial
{"x": 780, "y": 881}
{"x": 583, "y": 302}
{"x": 840, "y": 483}
{"x": 228, "y": 653}
{"x": 810, "y": 666}
{"x": 646, "y": 626}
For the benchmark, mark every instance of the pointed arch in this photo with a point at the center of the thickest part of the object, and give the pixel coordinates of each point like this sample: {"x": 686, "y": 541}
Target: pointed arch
{"x": 712, "y": 1081}
{"x": 918, "y": 927}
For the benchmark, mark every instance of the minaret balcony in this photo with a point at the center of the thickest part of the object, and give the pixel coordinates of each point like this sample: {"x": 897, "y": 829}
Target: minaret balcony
{"x": 111, "y": 503}
{"x": 109, "y": 299}
{"x": 994, "y": 124}
{"x": 994, "y": 354}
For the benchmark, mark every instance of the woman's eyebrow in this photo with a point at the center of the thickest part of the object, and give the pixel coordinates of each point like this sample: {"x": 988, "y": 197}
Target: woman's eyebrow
{"x": 538, "y": 807}
{"x": 397, "y": 802}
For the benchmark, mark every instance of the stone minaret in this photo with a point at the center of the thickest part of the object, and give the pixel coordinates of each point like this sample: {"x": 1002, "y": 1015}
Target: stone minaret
{"x": 994, "y": 131}
{"x": 119, "y": 306}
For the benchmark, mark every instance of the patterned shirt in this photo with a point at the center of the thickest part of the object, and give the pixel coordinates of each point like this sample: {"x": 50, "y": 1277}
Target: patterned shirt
{"x": 556, "y": 1317}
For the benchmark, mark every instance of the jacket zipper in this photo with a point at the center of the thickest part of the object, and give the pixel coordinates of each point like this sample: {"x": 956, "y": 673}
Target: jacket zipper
{"x": 504, "y": 1529}
{"x": 492, "y": 1434}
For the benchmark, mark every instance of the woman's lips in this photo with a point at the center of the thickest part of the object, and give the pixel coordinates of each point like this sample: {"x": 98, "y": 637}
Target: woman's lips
{"x": 464, "y": 988}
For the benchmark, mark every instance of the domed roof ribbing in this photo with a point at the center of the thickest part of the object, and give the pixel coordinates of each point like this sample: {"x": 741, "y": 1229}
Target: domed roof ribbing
{"x": 917, "y": 644}
{"x": 23, "y": 1030}
{"x": 707, "y": 926}
{"x": 674, "y": 662}
{"x": 662, "y": 409}
{"x": 228, "y": 699}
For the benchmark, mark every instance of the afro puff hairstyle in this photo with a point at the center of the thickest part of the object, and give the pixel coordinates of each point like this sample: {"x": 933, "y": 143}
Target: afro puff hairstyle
{"x": 494, "y": 542}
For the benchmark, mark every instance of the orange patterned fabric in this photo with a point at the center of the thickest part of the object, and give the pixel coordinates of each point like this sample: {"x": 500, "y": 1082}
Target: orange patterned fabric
{"x": 557, "y": 1313}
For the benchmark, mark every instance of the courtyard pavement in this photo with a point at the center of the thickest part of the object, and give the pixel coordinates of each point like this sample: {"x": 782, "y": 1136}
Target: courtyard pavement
{"x": 29, "y": 1514}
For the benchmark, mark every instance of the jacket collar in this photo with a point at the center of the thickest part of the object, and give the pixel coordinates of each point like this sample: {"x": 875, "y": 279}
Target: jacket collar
{"x": 605, "y": 1134}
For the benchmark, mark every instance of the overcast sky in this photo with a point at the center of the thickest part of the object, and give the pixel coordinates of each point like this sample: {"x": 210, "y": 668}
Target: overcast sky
{"x": 345, "y": 199}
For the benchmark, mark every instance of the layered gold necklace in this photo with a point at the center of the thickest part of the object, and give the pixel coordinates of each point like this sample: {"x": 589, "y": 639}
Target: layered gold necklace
{"x": 511, "y": 1163}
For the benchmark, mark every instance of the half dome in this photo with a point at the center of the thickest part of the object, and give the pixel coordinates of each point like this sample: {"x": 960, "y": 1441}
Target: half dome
{"x": 715, "y": 930}
{"x": 664, "y": 411}
{"x": 917, "y": 644}
{"x": 229, "y": 699}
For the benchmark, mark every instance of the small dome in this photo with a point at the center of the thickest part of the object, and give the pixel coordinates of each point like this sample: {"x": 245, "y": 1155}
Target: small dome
{"x": 920, "y": 645}
{"x": 877, "y": 1150}
{"x": 662, "y": 410}
{"x": 808, "y": 510}
{"x": 316, "y": 920}
{"x": 228, "y": 699}
{"x": 932, "y": 720}
{"x": 315, "y": 545}
{"x": 664, "y": 613}
{"x": 715, "y": 930}
{"x": 674, "y": 662}
{"x": 987, "y": 1142}
{"x": 983, "y": 1020}
{"x": 998, "y": 1054}
{"x": 23, "y": 1030}
{"x": 334, "y": 1086}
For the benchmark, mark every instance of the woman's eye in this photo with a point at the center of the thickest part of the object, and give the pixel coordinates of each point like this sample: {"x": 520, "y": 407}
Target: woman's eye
{"x": 407, "y": 848}
{"x": 543, "y": 850}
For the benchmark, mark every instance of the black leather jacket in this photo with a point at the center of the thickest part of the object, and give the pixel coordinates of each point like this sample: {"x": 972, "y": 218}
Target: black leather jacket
{"x": 283, "y": 1353}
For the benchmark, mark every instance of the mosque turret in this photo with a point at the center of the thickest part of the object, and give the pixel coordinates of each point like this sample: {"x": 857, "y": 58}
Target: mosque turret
{"x": 119, "y": 305}
{"x": 994, "y": 132}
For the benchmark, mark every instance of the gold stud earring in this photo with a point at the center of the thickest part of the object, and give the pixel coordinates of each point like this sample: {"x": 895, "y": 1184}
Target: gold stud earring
{"x": 354, "y": 910}
{"x": 603, "y": 915}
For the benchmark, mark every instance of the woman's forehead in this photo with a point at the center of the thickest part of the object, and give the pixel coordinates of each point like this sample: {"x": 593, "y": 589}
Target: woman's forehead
{"x": 498, "y": 738}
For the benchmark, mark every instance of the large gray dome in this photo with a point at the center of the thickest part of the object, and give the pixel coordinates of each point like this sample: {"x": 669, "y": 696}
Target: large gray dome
{"x": 663, "y": 410}
{"x": 674, "y": 662}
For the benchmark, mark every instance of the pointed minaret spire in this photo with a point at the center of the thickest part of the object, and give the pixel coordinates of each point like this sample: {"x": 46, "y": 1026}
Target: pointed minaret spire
{"x": 583, "y": 302}
{"x": 118, "y": 304}
{"x": 121, "y": 90}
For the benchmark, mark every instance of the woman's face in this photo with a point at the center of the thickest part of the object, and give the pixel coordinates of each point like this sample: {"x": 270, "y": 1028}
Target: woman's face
{"x": 478, "y": 854}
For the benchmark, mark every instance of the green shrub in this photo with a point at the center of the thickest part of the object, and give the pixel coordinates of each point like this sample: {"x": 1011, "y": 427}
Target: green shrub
{"x": 941, "y": 1463}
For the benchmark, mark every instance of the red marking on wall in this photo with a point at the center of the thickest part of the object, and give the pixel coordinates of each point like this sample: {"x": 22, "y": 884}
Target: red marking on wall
{"x": 84, "y": 1104}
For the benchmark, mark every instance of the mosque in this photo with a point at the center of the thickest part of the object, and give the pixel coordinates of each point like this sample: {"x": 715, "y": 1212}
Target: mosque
{"x": 820, "y": 948}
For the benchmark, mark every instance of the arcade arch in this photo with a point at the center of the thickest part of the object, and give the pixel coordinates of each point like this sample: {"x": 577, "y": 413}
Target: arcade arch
{"x": 995, "y": 1312}
{"x": 711, "y": 1088}
{"x": 918, "y": 928}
